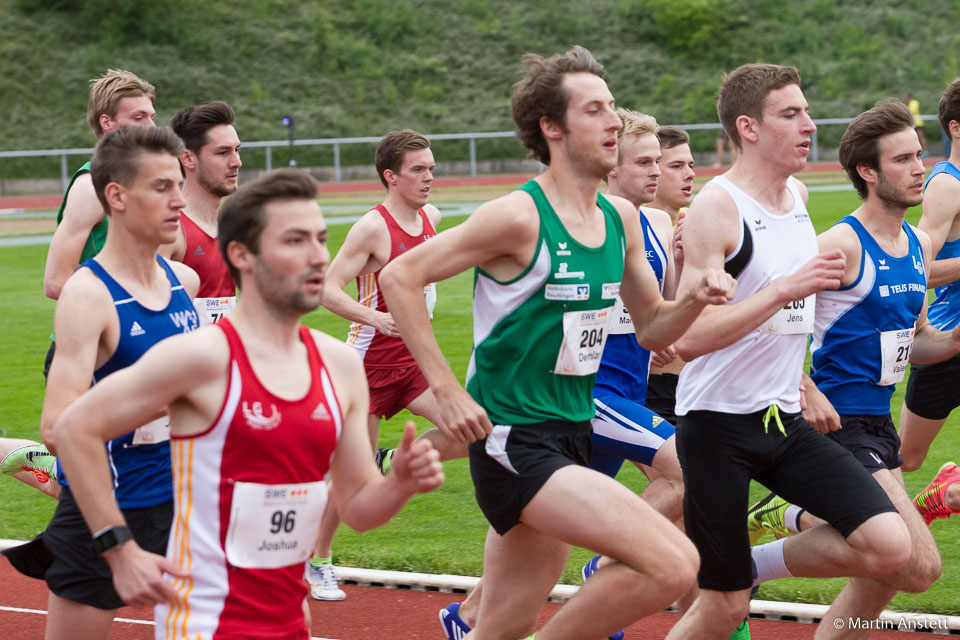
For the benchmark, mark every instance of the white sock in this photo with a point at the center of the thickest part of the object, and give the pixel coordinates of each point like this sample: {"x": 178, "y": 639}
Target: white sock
{"x": 770, "y": 562}
{"x": 791, "y": 518}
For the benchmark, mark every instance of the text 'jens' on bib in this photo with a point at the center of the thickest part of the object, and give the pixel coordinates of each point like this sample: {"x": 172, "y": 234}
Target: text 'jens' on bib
{"x": 584, "y": 334}
{"x": 795, "y": 317}
{"x": 895, "y": 355}
{"x": 274, "y": 525}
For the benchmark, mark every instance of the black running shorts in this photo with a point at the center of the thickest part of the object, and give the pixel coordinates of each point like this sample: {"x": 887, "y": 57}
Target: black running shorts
{"x": 933, "y": 390}
{"x": 662, "y": 396}
{"x": 65, "y": 557}
{"x": 512, "y": 463}
{"x": 873, "y": 440}
{"x": 720, "y": 453}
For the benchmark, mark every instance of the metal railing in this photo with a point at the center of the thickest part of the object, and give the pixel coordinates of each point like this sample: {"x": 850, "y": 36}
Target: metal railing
{"x": 336, "y": 143}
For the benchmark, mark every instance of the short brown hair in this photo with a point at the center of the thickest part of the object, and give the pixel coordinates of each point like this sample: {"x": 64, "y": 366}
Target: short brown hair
{"x": 117, "y": 156}
{"x": 860, "y": 142}
{"x": 744, "y": 90}
{"x": 107, "y": 91}
{"x": 393, "y": 147}
{"x": 540, "y": 94}
{"x": 193, "y": 123}
{"x": 242, "y": 216}
{"x": 671, "y": 137}
{"x": 949, "y": 109}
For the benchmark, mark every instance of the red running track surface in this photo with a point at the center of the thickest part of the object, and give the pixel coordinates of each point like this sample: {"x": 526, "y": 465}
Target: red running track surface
{"x": 367, "y": 613}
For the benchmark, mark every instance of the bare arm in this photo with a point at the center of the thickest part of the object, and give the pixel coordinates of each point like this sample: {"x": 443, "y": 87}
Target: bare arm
{"x": 81, "y": 214}
{"x": 658, "y": 322}
{"x": 80, "y": 320}
{"x": 365, "y": 249}
{"x": 187, "y": 277}
{"x": 364, "y": 498}
{"x": 941, "y": 206}
{"x": 506, "y": 230}
{"x": 710, "y": 233}
{"x": 817, "y": 409}
{"x": 171, "y": 370}
{"x": 929, "y": 344}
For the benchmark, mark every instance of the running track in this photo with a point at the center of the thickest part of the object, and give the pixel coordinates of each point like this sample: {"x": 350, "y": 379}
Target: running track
{"x": 367, "y": 613}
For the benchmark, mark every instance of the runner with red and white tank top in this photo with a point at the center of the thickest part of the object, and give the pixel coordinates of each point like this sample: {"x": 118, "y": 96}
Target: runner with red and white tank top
{"x": 262, "y": 503}
{"x": 262, "y": 412}
{"x": 404, "y": 220}
{"x": 379, "y": 350}
{"x": 210, "y": 165}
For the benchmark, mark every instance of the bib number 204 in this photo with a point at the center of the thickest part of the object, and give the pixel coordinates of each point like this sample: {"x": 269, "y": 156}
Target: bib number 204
{"x": 282, "y": 521}
{"x": 590, "y": 338}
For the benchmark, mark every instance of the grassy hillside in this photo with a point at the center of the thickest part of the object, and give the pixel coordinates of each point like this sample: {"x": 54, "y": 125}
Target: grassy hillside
{"x": 361, "y": 67}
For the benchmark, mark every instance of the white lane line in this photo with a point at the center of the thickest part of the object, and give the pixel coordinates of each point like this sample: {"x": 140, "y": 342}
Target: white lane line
{"x": 127, "y": 620}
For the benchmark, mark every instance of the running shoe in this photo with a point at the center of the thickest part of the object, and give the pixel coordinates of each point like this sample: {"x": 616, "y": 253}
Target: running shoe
{"x": 453, "y": 625}
{"x": 383, "y": 458}
{"x": 930, "y": 502}
{"x": 767, "y": 516}
{"x": 34, "y": 458}
{"x": 324, "y": 583}
{"x": 588, "y": 570}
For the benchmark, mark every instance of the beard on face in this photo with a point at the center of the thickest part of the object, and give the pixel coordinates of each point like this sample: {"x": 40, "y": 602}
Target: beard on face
{"x": 888, "y": 193}
{"x": 219, "y": 189}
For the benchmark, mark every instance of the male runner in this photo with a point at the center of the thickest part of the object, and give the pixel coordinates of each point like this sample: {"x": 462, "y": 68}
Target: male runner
{"x": 402, "y": 221}
{"x": 674, "y": 193}
{"x": 550, "y": 259}
{"x": 210, "y": 164}
{"x": 622, "y": 427}
{"x": 865, "y": 333}
{"x": 109, "y": 313}
{"x": 739, "y": 394}
{"x": 933, "y": 391}
{"x": 259, "y": 405}
{"x": 117, "y": 99}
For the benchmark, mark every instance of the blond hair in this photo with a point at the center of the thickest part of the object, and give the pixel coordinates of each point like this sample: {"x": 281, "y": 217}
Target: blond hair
{"x": 107, "y": 91}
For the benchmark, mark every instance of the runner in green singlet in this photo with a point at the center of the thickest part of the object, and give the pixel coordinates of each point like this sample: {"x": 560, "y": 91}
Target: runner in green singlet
{"x": 551, "y": 258}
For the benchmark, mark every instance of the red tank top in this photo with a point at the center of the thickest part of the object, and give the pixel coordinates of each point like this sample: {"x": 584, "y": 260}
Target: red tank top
{"x": 377, "y": 350}
{"x": 242, "y": 492}
{"x": 203, "y": 256}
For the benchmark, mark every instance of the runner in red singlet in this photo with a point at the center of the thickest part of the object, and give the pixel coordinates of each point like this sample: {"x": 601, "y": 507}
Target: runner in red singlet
{"x": 210, "y": 166}
{"x": 404, "y": 220}
{"x": 258, "y": 406}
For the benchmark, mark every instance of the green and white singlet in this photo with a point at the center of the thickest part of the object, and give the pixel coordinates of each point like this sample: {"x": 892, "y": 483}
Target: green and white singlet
{"x": 539, "y": 337}
{"x": 98, "y": 235}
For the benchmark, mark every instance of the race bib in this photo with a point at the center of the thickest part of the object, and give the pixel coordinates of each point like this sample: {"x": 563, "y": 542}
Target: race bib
{"x": 274, "y": 525}
{"x": 153, "y": 432}
{"x": 430, "y": 297}
{"x": 795, "y": 317}
{"x": 212, "y": 309}
{"x": 895, "y": 354}
{"x": 584, "y": 334}
{"x": 620, "y": 320}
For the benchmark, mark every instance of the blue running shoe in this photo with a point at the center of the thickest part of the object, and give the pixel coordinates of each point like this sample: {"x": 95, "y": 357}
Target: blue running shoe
{"x": 588, "y": 570}
{"x": 453, "y": 625}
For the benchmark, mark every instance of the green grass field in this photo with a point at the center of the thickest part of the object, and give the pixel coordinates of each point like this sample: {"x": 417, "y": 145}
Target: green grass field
{"x": 442, "y": 532}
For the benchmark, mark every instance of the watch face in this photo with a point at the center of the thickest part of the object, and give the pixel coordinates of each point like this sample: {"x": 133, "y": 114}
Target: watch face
{"x": 110, "y": 538}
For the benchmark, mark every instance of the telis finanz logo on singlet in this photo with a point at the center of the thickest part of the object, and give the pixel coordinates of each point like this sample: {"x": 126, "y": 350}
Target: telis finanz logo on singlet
{"x": 256, "y": 418}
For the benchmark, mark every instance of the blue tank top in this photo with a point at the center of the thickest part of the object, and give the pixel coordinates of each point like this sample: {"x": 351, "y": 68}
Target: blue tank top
{"x": 140, "y": 461}
{"x": 944, "y": 311}
{"x": 625, "y": 364}
{"x": 863, "y": 332}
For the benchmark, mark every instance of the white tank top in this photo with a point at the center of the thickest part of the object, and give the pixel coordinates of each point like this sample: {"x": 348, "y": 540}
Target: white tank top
{"x": 763, "y": 367}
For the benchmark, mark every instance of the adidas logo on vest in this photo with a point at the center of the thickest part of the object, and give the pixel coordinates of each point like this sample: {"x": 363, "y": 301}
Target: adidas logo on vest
{"x": 136, "y": 330}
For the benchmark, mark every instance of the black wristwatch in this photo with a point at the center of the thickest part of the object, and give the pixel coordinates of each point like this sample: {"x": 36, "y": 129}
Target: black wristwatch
{"x": 111, "y": 536}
